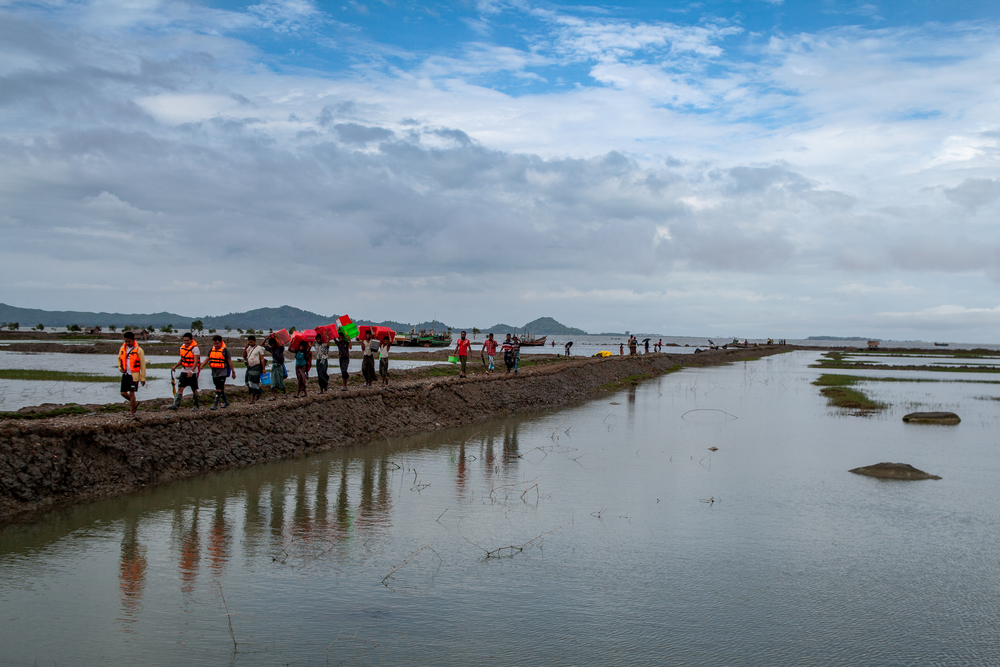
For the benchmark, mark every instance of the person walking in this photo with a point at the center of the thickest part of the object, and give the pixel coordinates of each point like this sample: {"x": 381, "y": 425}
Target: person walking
{"x": 646, "y": 343}
{"x": 221, "y": 363}
{"x": 278, "y": 372}
{"x": 253, "y": 356}
{"x": 190, "y": 365}
{"x": 490, "y": 348}
{"x": 632, "y": 345}
{"x": 462, "y": 350}
{"x": 343, "y": 356}
{"x": 132, "y": 365}
{"x": 368, "y": 358}
{"x": 321, "y": 355}
{"x": 303, "y": 359}
{"x": 568, "y": 345}
{"x": 515, "y": 345}
{"x": 383, "y": 360}
{"x": 508, "y": 353}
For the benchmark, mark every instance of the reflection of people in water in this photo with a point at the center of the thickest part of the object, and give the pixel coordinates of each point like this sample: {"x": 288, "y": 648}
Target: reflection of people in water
{"x": 461, "y": 473}
{"x": 190, "y": 555}
{"x": 132, "y": 570}
{"x": 218, "y": 540}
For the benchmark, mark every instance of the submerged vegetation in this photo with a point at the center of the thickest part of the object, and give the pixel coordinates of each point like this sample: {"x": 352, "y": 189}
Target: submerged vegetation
{"x": 839, "y": 394}
{"x": 54, "y": 376}
{"x": 837, "y": 360}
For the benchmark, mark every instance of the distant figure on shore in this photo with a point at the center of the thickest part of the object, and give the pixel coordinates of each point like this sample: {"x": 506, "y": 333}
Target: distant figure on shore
{"x": 221, "y": 363}
{"x": 303, "y": 362}
{"x": 659, "y": 346}
{"x": 515, "y": 344}
{"x": 383, "y": 360}
{"x": 132, "y": 365}
{"x": 633, "y": 344}
{"x": 278, "y": 372}
{"x": 343, "y": 356}
{"x": 621, "y": 349}
{"x": 553, "y": 343}
{"x": 508, "y": 353}
{"x": 568, "y": 345}
{"x": 253, "y": 356}
{"x": 462, "y": 350}
{"x": 321, "y": 355}
{"x": 368, "y": 358}
{"x": 646, "y": 344}
{"x": 490, "y": 348}
{"x": 190, "y": 365}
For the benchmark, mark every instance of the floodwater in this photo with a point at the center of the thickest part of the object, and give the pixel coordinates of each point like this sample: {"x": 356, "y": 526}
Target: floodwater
{"x": 16, "y": 394}
{"x": 604, "y": 533}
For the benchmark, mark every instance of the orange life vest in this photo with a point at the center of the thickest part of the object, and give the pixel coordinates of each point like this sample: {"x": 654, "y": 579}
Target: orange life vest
{"x": 217, "y": 357}
{"x": 188, "y": 360}
{"x": 126, "y": 357}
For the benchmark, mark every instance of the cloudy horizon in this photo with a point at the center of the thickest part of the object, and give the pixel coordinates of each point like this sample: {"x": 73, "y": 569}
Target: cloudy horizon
{"x": 756, "y": 168}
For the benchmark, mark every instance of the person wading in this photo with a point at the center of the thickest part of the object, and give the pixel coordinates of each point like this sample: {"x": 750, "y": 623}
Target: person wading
{"x": 190, "y": 365}
{"x": 221, "y": 363}
{"x": 462, "y": 349}
{"x": 253, "y": 356}
{"x": 132, "y": 365}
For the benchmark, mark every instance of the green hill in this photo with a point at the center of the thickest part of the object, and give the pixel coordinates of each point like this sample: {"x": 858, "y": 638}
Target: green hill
{"x": 546, "y": 326}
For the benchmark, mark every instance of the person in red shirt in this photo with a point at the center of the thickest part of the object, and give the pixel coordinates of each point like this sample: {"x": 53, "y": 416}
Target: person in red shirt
{"x": 490, "y": 348}
{"x": 462, "y": 348}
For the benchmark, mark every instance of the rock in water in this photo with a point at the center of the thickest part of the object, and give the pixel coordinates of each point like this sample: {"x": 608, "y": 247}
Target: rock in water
{"x": 931, "y": 418}
{"x": 902, "y": 471}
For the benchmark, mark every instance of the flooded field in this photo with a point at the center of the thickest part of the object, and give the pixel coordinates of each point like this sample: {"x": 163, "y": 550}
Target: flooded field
{"x": 606, "y": 533}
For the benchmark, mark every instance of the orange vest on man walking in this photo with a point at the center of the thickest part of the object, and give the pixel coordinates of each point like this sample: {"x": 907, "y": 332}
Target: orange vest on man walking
{"x": 130, "y": 360}
{"x": 188, "y": 358}
{"x": 217, "y": 357}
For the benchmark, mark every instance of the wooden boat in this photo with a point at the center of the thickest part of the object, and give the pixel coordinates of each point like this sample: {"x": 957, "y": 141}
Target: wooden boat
{"x": 423, "y": 339}
{"x": 527, "y": 340}
{"x": 941, "y": 344}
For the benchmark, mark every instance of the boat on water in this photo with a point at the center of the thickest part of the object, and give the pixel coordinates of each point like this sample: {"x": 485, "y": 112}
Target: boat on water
{"x": 527, "y": 340}
{"x": 941, "y": 344}
{"x": 423, "y": 338}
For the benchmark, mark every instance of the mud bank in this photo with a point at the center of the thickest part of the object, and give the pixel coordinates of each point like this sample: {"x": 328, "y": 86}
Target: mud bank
{"x": 56, "y": 461}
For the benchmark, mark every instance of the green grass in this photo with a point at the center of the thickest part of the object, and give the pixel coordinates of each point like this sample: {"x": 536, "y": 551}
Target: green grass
{"x": 838, "y": 393}
{"x": 54, "y": 376}
{"x": 835, "y": 360}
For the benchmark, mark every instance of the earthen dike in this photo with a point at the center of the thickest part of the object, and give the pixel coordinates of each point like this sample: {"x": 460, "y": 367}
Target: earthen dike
{"x": 56, "y": 461}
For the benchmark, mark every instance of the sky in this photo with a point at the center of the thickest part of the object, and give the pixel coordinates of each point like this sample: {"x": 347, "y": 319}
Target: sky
{"x": 738, "y": 168}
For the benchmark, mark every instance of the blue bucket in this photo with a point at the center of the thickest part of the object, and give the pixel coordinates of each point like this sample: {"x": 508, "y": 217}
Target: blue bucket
{"x": 265, "y": 379}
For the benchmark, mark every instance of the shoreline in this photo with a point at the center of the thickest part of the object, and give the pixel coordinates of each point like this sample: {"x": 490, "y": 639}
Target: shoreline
{"x": 61, "y": 460}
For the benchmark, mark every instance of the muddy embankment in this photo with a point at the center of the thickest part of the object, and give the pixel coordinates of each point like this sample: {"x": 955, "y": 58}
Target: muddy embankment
{"x": 48, "y": 462}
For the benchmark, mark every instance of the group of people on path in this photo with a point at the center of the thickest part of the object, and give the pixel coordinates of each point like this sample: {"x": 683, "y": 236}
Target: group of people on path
{"x": 633, "y": 346}
{"x": 132, "y": 366}
{"x": 511, "y": 350}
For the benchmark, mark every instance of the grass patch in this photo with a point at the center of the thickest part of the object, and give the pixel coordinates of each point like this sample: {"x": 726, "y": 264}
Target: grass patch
{"x": 54, "y": 376}
{"x": 838, "y": 393}
{"x": 625, "y": 382}
{"x": 835, "y": 360}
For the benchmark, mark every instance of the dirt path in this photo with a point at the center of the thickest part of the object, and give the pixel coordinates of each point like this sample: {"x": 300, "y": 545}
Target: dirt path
{"x": 71, "y": 458}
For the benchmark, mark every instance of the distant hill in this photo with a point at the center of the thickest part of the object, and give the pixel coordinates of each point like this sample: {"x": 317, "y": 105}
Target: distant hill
{"x": 29, "y": 317}
{"x": 283, "y": 317}
{"x": 546, "y": 326}
{"x": 263, "y": 318}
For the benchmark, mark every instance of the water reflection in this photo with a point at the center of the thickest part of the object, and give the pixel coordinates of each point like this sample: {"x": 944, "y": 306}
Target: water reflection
{"x": 131, "y": 570}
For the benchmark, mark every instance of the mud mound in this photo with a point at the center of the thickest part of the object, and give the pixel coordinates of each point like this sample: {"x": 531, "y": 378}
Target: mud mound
{"x": 931, "y": 418}
{"x": 902, "y": 471}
